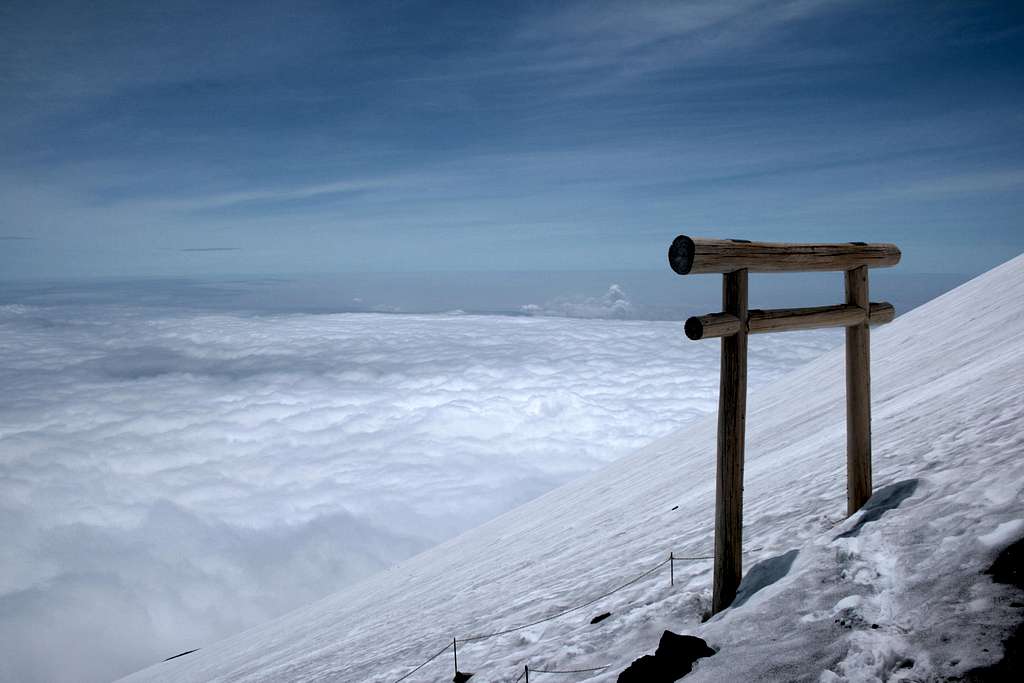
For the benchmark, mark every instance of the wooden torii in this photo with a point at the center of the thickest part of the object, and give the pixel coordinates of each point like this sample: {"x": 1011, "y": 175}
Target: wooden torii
{"x": 734, "y": 259}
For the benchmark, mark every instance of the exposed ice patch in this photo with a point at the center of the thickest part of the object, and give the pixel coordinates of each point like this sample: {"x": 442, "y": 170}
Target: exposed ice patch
{"x": 849, "y": 602}
{"x": 1003, "y": 534}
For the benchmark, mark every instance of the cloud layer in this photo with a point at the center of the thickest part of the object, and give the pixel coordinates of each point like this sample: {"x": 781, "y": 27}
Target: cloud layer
{"x": 167, "y": 478}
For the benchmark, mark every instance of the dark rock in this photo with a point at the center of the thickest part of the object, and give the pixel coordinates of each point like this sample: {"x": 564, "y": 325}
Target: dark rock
{"x": 646, "y": 668}
{"x": 1009, "y": 565}
{"x": 678, "y": 646}
{"x": 1009, "y": 569}
{"x": 600, "y": 617}
{"x": 672, "y": 660}
{"x": 461, "y": 677}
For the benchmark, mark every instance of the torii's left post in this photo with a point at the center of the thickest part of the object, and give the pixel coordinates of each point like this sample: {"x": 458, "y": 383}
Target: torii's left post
{"x": 732, "y": 417}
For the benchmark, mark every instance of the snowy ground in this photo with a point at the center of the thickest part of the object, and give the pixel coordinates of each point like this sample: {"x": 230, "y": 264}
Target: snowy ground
{"x": 896, "y": 594}
{"x": 169, "y": 478}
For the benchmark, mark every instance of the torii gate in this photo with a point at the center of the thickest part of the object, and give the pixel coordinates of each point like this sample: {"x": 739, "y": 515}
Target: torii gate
{"x": 734, "y": 259}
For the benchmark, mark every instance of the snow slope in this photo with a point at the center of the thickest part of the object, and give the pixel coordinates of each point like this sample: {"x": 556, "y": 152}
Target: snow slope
{"x": 894, "y": 593}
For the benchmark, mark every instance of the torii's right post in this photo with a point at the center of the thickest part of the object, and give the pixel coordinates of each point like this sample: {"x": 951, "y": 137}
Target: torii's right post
{"x": 858, "y": 395}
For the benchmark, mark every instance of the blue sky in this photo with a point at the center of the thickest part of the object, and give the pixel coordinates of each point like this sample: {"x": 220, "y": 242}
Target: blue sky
{"x": 193, "y": 138}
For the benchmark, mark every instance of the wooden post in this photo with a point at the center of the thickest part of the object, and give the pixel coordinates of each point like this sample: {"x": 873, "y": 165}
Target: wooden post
{"x": 671, "y": 568}
{"x": 455, "y": 653}
{"x": 526, "y": 670}
{"x": 858, "y": 396}
{"x": 732, "y": 409}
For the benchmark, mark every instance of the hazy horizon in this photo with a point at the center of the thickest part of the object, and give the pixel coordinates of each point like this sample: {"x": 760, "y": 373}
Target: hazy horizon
{"x": 627, "y": 295}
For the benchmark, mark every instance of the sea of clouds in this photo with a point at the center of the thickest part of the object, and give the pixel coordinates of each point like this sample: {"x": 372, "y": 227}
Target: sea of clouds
{"x": 171, "y": 476}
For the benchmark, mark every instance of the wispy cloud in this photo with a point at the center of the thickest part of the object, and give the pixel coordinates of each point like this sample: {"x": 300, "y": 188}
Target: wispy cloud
{"x": 976, "y": 183}
{"x": 272, "y": 195}
{"x": 610, "y": 32}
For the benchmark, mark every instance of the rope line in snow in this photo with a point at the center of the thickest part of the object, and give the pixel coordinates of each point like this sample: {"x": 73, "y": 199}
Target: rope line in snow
{"x": 556, "y": 615}
{"x": 432, "y": 658}
{"x": 569, "y": 671}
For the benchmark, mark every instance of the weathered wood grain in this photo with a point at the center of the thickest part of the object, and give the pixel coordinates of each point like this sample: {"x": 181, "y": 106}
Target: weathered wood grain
{"x": 711, "y": 326}
{"x": 701, "y": 255}
{"x": 716, "y": 325}
{"x": 843, "y": 315}
{"x": 858, "y": 396}
{"x": 732, "y": 411}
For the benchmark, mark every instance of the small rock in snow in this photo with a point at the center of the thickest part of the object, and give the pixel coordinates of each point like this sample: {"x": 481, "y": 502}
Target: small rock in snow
{"x": 672, "y": 660}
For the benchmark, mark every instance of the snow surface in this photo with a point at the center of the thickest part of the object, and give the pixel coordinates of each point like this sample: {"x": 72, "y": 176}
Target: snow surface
{"x": 171, "y": 477}
{"x": 893, "y": 593}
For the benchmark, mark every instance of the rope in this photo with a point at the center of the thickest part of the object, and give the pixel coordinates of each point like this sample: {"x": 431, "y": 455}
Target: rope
{"x": 556, "y": 615}
{"x": 484, "y": 636}
{"x": 569, "y": 671}
{"x": 432, "y": 658}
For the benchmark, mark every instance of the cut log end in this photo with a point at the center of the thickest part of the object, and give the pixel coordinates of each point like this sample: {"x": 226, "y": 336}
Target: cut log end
{"x": 680, "y": 255}
{"x": 694, "y": 328}
{"x": 881, "y": 313}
